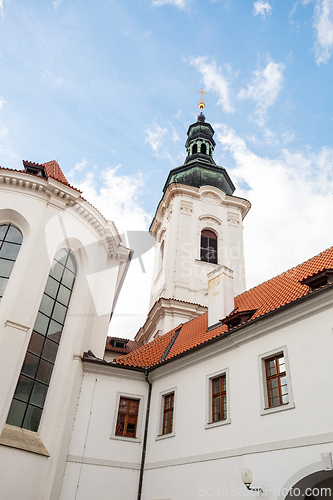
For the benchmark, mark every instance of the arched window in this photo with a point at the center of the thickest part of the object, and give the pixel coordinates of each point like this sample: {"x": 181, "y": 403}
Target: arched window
{"x": 203, "y": 149}
{"x": 208, "y": 248}
{"x": 10, "y": 244}
{"x": 194, "y": 149}
{"x": 29, "y": 397}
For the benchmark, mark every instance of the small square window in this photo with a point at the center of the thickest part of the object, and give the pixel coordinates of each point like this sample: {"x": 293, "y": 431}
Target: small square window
{"x": 127, "y": 417}
{"x": 276, "y": 386}
{"x": 168, "y": 407}
{"x": 217, "y": 399}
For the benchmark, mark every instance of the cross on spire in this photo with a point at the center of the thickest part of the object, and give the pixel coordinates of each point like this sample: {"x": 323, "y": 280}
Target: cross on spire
{"x": 201, "y": 103}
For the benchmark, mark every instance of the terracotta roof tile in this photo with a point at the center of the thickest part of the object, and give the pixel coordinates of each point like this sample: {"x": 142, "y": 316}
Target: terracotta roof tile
{"x": 264, "y": 298}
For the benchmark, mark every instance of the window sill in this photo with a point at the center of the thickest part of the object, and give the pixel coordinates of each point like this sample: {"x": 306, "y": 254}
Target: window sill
{"x": 276, "y": 409}
{"x": 205, "y": 263}
{"x": 15, "y": 437}
{"x": 165, "y": 436}
{"x": 126, "y": 438}
{"x": 212, "y": 425}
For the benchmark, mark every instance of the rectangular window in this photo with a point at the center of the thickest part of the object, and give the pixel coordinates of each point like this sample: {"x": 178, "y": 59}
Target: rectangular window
{"x": 168, "y": 402}
{"x": 127, "y": 417}
{"x": 219, "y": 398}
{"x": 276, "y": 379}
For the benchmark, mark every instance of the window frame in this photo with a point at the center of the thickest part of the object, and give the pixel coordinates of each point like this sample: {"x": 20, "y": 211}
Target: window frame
{"x": 162, "y": 397}
{"x": 126, "y": 395}
{"x": 264, "y": 396}
{"x": 208, "y": 248}
{"x": 209, "y": 405}
{"x": 42, "y": 348}
{"x": 18, "y": 244}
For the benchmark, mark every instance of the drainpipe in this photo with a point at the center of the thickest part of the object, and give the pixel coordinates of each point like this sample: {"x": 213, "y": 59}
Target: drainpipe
{"x": 144, "y": 445}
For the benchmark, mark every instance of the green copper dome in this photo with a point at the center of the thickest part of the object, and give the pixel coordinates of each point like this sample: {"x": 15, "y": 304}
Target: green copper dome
{"x": 199, "y": 168}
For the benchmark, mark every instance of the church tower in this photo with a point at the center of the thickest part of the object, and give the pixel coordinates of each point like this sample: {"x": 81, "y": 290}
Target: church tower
{"x": 197, "y": 226}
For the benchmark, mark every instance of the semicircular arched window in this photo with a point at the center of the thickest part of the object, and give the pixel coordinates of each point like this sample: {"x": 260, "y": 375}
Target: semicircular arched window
{"x": 10, "y": 244}
{"x": 31, "y": 390}
{"x": 208, "y": 247}
{"x": 194, "y": 149}
{"x": 203, "y": 149}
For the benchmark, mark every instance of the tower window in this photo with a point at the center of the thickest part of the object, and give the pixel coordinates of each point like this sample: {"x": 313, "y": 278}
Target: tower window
{"x": 10, "y": 244}
{"x": 194, "y": 149}
{"x": 208, "y": 250}
{"x": 203, "y": 149}
{"x": 31, "y": 390}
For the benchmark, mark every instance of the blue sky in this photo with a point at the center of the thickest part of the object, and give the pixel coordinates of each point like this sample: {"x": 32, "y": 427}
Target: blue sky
{"x": 108, "y": 89}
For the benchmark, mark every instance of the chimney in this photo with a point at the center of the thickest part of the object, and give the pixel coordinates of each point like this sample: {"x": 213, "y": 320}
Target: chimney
{"x": 220, "y": 294}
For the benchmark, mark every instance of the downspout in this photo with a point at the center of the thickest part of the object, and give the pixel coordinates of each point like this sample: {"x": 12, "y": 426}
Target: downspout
{"x": 144, "y": 445}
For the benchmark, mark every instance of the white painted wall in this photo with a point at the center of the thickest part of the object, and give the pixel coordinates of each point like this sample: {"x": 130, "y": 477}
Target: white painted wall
{"x": 201, "y": 459}
{"x": 51, "y": 216}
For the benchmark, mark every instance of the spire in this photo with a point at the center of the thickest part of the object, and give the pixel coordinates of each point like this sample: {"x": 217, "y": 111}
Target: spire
{"x": 199, "y": 167}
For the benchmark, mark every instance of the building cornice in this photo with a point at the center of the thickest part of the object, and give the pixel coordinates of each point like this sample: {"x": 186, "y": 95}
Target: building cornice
{"x": 65, "y": 197}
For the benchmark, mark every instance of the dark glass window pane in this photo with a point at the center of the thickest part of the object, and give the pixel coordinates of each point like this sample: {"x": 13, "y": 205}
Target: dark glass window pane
{"x": 44, "y": 371}
{"x": 46, "y": 305}
{"x": 38, "y": 394}
{"x": 16, "y": 413}
{"x": 50, "y": 350}
{"x": 36, "y": 343}
{"x": 61, "y": 256}
{"x": 57, "y": 270}
{"x": 54, "y": 331}
{"x": 3, "y": 282}
{"x": 41, "y": 323}
{"x": 6, "y": 267}
{"x": 23, "y": 388}
{"x": 32, "y": 418}
{"x": 9, "y": 250}
{"x": 51, "y": 287}
{"x": 64, "y": 295}
{"x": 14, "y": 235}
{"x": 71, "y": 264}
{"x": 59, "y": 313}
{"x": 68, "y": 279}
{"x": 3, "y": 230}
{"x": 30, "y": 365}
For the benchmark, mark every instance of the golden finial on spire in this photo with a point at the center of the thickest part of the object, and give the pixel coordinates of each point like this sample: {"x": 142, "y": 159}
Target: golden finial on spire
{"x": 201, "y": 103}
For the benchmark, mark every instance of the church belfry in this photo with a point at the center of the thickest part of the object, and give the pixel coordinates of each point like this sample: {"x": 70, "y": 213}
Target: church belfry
{"x": 197, "y": 226}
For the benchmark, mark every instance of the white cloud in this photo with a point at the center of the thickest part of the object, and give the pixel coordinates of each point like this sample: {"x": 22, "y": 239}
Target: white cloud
{"x": 292, "y": 203}
{"x": 81, "y": 165}
{"x": 215, "y": 80}
{"x": 181, "y": 4}
{"x": 2, "y": 101}
{"x": 155, "y": 138}
{"x": 323, "y": 24}
{"x": 262, "y": 8}
{"x": 1, "y": 8}
{"x": 56, "y": 4}
{"x": 264, "y": 89}
{"x": 117, "y": 197}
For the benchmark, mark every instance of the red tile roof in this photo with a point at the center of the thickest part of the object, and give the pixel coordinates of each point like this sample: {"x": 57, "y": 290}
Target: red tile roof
{"x": 53, "y": 170}
{"x": 264, "y": 298}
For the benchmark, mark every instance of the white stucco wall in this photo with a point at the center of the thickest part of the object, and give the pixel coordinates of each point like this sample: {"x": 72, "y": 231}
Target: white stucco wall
{"x": 50, "y": 216}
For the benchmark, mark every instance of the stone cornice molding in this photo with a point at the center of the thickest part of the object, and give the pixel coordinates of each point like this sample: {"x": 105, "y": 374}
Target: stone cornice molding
{"x": 65, "y": 197}
{"x": 210, "y": 193}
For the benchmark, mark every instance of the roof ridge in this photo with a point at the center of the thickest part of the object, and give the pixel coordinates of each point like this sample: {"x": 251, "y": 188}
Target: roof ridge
{"x": 288, "y": 271}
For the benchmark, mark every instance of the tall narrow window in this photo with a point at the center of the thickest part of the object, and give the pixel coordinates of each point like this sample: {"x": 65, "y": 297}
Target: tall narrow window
{"x": 219, "y": 398}
{"x": 10, "y": 244}
{"x": 203, "y": 149}
{"x": 208, "y": 250}
{"x": 194, "y": 149}
{"x": 168, "y": 402}
{"x": 29, "y": 397}
{"x": 127, "y": 417}
{"x": 276, "y": 379}
{"x": 160, "y": 258}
